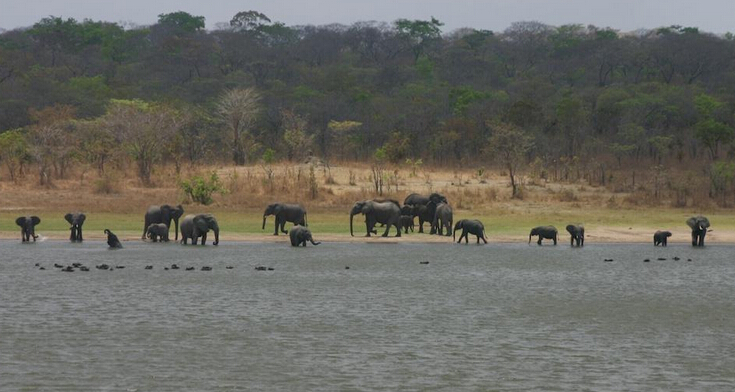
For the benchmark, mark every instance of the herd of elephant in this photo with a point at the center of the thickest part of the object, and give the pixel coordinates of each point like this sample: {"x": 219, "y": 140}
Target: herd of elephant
{"x": 433, "y": 209}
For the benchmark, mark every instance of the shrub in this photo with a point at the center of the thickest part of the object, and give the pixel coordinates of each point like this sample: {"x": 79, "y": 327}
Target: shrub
{"x": 108, "y": 183}
{"x": 200, "y": 190}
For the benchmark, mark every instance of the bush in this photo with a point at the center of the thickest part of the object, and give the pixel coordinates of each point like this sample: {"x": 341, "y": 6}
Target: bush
{"x": 108, "y": 183}
{"x": 200, "y": 190}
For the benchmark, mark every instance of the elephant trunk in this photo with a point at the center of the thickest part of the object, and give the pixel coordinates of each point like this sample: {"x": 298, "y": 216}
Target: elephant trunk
{"x": 264, "y": 216}
{"x": 351, "y": 233}
{"x": 529, "y": 238}
{"x": 176, "y": 229}
{"x": 216, "y": 236}
{"x": 314, "y": 242}
{"x": 454, "y": 234}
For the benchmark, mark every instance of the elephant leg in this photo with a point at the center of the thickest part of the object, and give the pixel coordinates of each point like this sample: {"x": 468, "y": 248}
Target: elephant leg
{"x": 398, "y": 229}
{"x": 204, "y": 238}
{"x": 539, "y": 240}
{"x": 79, "y": 234}
{"x": 554, "y": 240}
{"x": 283, "y": 230}
{"x": 275, "y": 229}
{"x": 421, "y": 225}
{"x": 387, "y": 229}
{"x": 482, "y": 235}
{"x": 694, "y": 239}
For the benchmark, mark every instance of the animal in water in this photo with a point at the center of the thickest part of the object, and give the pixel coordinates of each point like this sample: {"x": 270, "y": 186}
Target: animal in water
{"x": 206, "y": 268}
{"x": 158, "y": 232}
{"x": 195, "y": 226}
{"x": 544, "y": 232}
{"x": 76, "y": 220}
{"x": 149, "y": 267}
{"x": 299, "y": 235}
{"x": 28, "y": 227}
{"x": 189, "y": 268}
{"x": 700, "y": 226}
{"x": 443, "y": 218}
{"x": 469, "y": 226}
{"x": 112, "y": 240}
{"x": 163, "y": 214}
{"x": 577, "y": 233}
{"x": 661, "y": 238}
{"x": 174, "y": 266}
{"x": 387, "y": 212}
{"x": 293, "y": 213}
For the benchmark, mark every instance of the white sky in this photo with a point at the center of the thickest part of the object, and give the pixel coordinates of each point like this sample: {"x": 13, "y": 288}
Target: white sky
{"x": 717, "y": 16}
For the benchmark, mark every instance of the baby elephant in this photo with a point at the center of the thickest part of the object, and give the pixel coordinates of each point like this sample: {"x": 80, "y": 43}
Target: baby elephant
{"x": 299, "y": 235}
{"x": 547, "y": 232}
{"x": 158, "y": 232}
{"x": 577, "y": 233}
{"x": 28, "y": 227}
{"x": 112, "y": 240}
{"x": 470, "y": 226}
{"x": 406, "y": 222}
{"x": 661, "y": 238}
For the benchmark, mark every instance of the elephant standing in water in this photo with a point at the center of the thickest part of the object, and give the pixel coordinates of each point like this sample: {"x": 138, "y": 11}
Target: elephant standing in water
{"x": 388, "y": 213}
{"x": 299, "y": 235}
{"x": 195, "y": 226}
{"x": 699, "y": 225}
{"x": 442, "y": 219}
{"x": 158, "y": 232}
{"x": 547, "y": 232}
{"x": 661, "y": 238}
{"x": 28, "y": 227}
{"x": 293, "y": 213}
{"x": 112, "y": 240}
{"x": 577, "y": 233}
{"x": 76, "y": 220}
{"x": 163, "y": 214}
{"x": 469, "y": 226}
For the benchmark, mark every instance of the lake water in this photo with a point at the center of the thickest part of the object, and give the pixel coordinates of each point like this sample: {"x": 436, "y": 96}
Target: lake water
{"x": 508, "y": 317}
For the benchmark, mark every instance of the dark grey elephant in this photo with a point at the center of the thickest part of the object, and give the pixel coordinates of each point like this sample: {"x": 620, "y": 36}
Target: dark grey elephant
{"x": 293, "y": 213}
{"x": 76, "y": 220}
{"x": 163, "y": 214}
{"x": 577, "y": 233}
{"x": 661, "y": 238}
{"x": 416, "y": 199}
{"x": 469, "y": 226}
{"x": 112, "y": 240}
{"x": 299, "y": 235}
{"x": 195, "y": 226}
{"x": 28, "y": 227}
{"x": 424, "y": 207}
{"x": 406, "y": 223}
{"x": 158, "y": 232}
{"x": 700, "y": 226}
{"x": 375, "y": 212}
{"x": 443, "y": 219}
{"x": 544, "y": 232}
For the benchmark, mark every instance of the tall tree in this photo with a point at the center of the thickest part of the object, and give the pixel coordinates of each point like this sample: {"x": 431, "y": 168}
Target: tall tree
{"x": 238, "y": 108}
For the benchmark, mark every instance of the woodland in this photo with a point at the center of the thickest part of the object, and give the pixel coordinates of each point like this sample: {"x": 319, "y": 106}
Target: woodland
{"x": 648, "y": 112}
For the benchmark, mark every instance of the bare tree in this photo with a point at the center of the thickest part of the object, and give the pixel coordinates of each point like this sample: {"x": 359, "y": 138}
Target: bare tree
{"x": 239, "y": 108}
{"x": 509, "y": 145}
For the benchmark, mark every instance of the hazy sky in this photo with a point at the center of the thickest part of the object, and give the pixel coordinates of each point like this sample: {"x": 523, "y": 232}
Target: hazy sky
{"x": 716, "y": 16}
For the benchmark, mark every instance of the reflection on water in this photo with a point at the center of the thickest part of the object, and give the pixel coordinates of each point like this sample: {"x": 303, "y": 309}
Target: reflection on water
{"x": 494, "y": 317}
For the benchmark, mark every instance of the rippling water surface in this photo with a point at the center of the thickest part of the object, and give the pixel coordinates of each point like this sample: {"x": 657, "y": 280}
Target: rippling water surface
{"x": 494, "y": 317}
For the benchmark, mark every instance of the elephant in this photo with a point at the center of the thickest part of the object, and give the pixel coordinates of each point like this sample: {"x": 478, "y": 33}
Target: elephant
{"x": 158, "y": 232}
{"x": 387, "y": 212}
{"x": 469, "y": 226}
{"x": 548, "y": 232}
{"x": 299, "y": 235}
{"x": 424, "y": 207}
{"x": 699, "y": 225}
{"x": 442, "y": 219}
{"x": 195, "y": 226}
{"x": 406, "y": 222}
{"x": 112, "y": 240}
{"x": 76, "y": 220}
{"x": 28, "y": 227}
{"x": 163, "y": 214}
{"x": 661, "y": 238}
{"x": 416, "y": 199}
{"x": 577, "y": 233}
{"x": 293, "y": 213}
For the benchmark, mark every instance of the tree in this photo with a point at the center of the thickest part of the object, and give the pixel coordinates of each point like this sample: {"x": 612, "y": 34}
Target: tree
{"x": 182, "y": 20}
{"x": 238, "y": 108}
{"x": 249, "y": 21}
{"x": 143, "y": 129}
{"x": 13, "y": 151}
{"x": 509, "y": 146}
{"x": 298, "y": 143}
{"x": 419, "y": 33}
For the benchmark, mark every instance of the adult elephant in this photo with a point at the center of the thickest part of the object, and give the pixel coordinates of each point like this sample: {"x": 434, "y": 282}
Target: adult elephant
{"x": 76, "y": 220}
{"x": 158, "y": 232}
{"x": 424, "y": 207}
{"x": 28, "y": 227}
{"x": 577, "y": 233}
{"x": 163, "y": 214}
{"x": 195, "y": 226}
{"x": 469, "y": 226}
{"x": 442, "y": 219}
{"x": 293, "y": 213}
{"x": 112, "y": 240}
{"x": 375, "y": 212}
{"x": 544, "y": 232}
{"x": 661, "y": 238}
{"x": 700, "y": 226}
{"x": 417, "y": 199}
{"x": 299, "y": 235}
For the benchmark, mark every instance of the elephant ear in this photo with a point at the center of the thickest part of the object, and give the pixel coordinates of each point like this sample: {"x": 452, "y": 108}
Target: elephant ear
{"x": 692, "y": 223}
{"x": 69, "y": 218}
{"x": 277, "y": 209}
{"x": 36, "y": 220}
{"x": 703, "y": 222}
{"x": 367, "y": 208}
{"x": 81, "y": 219}
{"x": 200, "y": 221}
{"x": 20, "y": 221}
{"x": 177, "y": 212}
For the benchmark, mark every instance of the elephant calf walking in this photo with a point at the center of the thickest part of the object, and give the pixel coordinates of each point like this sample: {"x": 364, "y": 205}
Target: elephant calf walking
{"x": 469, "y": 226}
{"x": 158, "y": 232}
{"x": 661, "y": 238}
{"x": 544, "y": 232}
{"x": 406, "y": 222}
{"x": 299, "y": 235}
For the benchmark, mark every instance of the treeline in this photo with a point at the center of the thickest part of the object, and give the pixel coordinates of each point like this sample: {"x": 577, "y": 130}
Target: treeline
{"x": 587, "y": 101}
